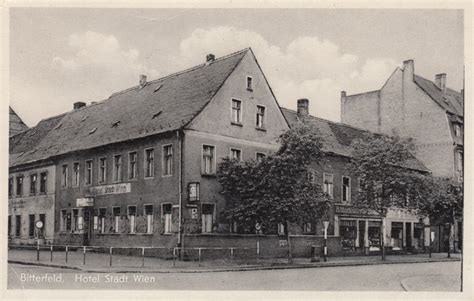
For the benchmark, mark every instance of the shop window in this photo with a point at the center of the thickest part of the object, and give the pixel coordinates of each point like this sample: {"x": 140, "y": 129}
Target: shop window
{"x": 207, "y": 217}
{"x": 64, "y": 172}
{"x": 346, "y": 189}
{"x": 328, "y": 184}
{"x": 260, "y": 156}
{"x": 33, "y": 183}
{"x": 396, "y": 236}
{"x": 149, "y": 218}
{"x": 63, "y": 220}
{"x": 43, "y": 182}
{"x": 167, "y": 160}
{"x": 166, "y": 216}
{"x": 132, "y": 213}
{"x": 75, "y": 174}
{"x": 10, "y": 187}
{"x": 347, "y": 231}
{"x": 132, "y": 165}
{"x": 102, "y": 170}
{"x": 18, "y": 225}
{"x": 116, "y": 213}
{"x": 19, "y": 185}
{"x": 236, "y": 111}
{"x": 149, "y": 163}
{"x": 236, "y": 154}
{"x": 208, "y": 159}
{"x": 89, "y": 168}
{"x": 260, "y": 117}
{"x": 374, "y": 235}
{"x": 117, "y": 168}
{"x": 31, "y": 228}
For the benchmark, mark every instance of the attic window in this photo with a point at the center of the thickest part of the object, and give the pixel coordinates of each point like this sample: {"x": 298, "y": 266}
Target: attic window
{"x": 93, "y": 131}
{"x": 158, "y": 88}
{"x": 156, "y": 115}
{"x": 116, "y": 124}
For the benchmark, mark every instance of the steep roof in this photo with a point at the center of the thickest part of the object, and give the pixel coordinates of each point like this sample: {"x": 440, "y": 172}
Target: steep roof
{"x": 451, "y": 101}
{"x": 338, "y": 137}
{"x": 16, "y": 124}
{"x": 162, "y": 105}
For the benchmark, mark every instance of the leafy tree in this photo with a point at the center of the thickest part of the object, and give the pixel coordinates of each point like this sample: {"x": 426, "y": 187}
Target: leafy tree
{"x": 276, "y": 189}
{"x": 387, "y": 180}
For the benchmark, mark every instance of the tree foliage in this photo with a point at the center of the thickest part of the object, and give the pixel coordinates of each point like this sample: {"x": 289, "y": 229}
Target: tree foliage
{"x": 275, "y": 189}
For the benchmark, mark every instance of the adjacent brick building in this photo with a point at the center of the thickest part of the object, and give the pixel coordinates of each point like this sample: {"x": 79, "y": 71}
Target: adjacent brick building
{"x": 411, "y": 106}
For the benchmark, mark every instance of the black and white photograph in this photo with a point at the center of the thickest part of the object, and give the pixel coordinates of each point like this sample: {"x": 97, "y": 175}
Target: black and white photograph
{"x": 236, "y": 148}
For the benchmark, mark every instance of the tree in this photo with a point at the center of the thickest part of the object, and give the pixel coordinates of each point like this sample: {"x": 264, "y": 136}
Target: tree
{"x": 276, "y": 189}
{"x": 383, "y": 165}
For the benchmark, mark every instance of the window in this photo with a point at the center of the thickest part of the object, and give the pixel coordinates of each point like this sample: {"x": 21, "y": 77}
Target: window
{"x": 167, "y": 160}
{"x": 31, "y": 229}
{"x": 236, "y": 154}
{"x": 76, "y": 176}
{"x": 63, "y": 220}
{"x": 75, "y": 220}
{"x": 328, "y": 184}
{"x": 116, "y": 212}
{"x": 18, "y": 225}
{"x": 64, "y": 173}
{"x": 68, "y": 221}
{"x": 459, "y": 161}
{"x": 260, "y": 156}
{"x": 208, "y": 159}
{"x": 41, "y": 232}
{"x": 9, "y": 226}
{"x": 236, "y": 111}
{"x": 166, "y": 216}
{"x": 260, "y": 117}
{"x": 132, "y": 165}
{"x": 43, "y": 182}
{"x": 89, "y": 167}
{"x": 281, "y": 229}
{"x": 457, "y": 130}
{"x": 132, "y": 212}
{"x": 233, "y": 226}
{"x": 249, "y": 83}
{"x": 193, "y": 190}
{"x": 19, "y": 185}
{"x": 346, "y": 189}
{"x": 308, "y": 227}
{"x": 149, "y": 218}
{"x": 101, "y": 220}
{"x": 102, "y": 170}
{"x": 10, "y": 187}
{"x": 149, "y": 163}
{"x": 33, "y": 182}
{"x": 207, "y": 218}
{"x": 117, "y": 168}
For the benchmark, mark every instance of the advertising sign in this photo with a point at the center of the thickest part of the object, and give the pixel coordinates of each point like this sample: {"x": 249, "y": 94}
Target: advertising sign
{"x": 84, "y": 202}
{"x": 110, "y": 189}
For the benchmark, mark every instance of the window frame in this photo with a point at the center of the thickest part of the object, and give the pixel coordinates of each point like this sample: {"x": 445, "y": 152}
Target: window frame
{"x": 240, "y": 113}
{"x": 45, "y": 191}
{"x": 152, "y": 217}
{"x": 76, "y": 182}
{"x": 198, "y": 192}
{"x": 134, "y": 168}
{"x": 325, "y": 174}
{"x": 116, "y": 222}
{"x": 348, "y": 201}
{"x": 87, "y": 181}
{"x": 134, "y": 228}
{"x": 11, "y": 186}
{"x": 163, "y": 218}
{"x": 249, "y": 88}
{"x": 239, "y": 150}
{"x": 102, "y": 179}
{"x": 213, "y": 217}
{"x": 115, "y": 172}
{"x": 213, "y": 162}
{"x": 33, "y": 188}
{"x": 145, "y": 163}
{"x": 164, "y": 157}
{"x": 19, "y": 184}
{"x": 262, "y": 127}
{"x": 64, "y": 175}
{"x": 259, "y": 153}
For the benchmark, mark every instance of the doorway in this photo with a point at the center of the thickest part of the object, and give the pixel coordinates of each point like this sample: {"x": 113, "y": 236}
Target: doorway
{"x": 408, "y": 235}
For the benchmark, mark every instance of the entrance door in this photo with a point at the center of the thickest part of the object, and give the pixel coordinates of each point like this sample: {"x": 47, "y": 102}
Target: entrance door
{"x": 408, "y": 235}
{"x": 87, "y": 227}
{"x": 361, "y": 234}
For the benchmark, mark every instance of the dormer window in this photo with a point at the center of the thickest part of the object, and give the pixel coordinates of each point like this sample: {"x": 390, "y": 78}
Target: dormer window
{"x": 249, "y": 83}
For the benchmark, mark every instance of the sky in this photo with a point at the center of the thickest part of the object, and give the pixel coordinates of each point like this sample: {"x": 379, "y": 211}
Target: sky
{"x": 59, "y": 56}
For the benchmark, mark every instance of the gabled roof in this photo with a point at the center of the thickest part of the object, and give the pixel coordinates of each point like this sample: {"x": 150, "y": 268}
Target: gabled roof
{"x": 16, "y": 124}
{"x": 338, "y": 138}
{"x": 451, "y": 101}
{"x": 162, "y": 105}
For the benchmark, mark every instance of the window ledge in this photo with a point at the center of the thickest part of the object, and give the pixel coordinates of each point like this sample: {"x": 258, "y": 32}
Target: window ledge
{"x": 261, "y": 129}
{"x": 236, "y": 123}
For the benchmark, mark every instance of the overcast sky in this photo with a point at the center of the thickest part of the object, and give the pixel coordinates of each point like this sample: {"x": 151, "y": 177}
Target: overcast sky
{"x": 59, "y": 56}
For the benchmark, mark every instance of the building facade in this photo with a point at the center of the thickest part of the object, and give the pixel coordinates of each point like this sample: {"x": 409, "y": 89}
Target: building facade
{"x": 411, "y": 106}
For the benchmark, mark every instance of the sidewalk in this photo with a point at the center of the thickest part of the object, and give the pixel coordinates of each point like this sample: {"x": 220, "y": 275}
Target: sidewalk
{"x": 100, "y": 262}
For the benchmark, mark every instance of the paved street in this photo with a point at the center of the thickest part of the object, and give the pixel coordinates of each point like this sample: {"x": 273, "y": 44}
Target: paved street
{"x": 434, "y": 276}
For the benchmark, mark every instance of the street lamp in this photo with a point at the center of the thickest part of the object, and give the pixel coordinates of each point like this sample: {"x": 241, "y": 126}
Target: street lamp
{"x": 326, "y": 225}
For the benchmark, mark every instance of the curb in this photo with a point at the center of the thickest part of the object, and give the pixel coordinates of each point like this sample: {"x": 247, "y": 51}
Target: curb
{"x": 241, "y": 269}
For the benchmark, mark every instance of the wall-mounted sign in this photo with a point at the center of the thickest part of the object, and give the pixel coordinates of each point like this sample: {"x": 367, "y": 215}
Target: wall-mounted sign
{"x": 110, "y": 189}
{"x": 84, "y": 202}
{"x": 194, "y": 213}
{"x": 193, "y": 190}
{"x": 350, "y": 210}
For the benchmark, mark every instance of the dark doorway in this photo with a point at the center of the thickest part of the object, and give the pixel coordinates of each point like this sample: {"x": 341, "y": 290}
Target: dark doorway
{"x": 87, "y": 227}
{"x": 361, "y": 234}
{"x": 408, "y": 235}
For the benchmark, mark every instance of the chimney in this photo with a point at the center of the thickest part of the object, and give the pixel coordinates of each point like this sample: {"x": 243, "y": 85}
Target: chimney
{"x": 303, "y": 105}
{"x": 409, "y": 69}
{"x": 79, "y": 104}
{"x": 210, "y": 58}
{"x": 440, "y": 81}
{"x": 142, "y": 81}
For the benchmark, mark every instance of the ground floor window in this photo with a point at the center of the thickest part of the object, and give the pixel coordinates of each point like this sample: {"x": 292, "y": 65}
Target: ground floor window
{"x": 347, "y": 231}
{"x": 76, "y": 221}
{"x": 62, "y": 220}
{"x": 116, "y": 213}
{"x": 42, "y": 231}
{"x": 207, "y": 218}
{"x": 374, "y": 235}
{"x": 101, "y": 220}
{"x": 397, "y": 236}
{"x": 166, "y": 216}
{"x": 18, "y": 225}
{"x": 132, "y": 213}
{"x": 148, "y": 210}
{"x": 31, "y": 228}
{"x": 418, "y": 235}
